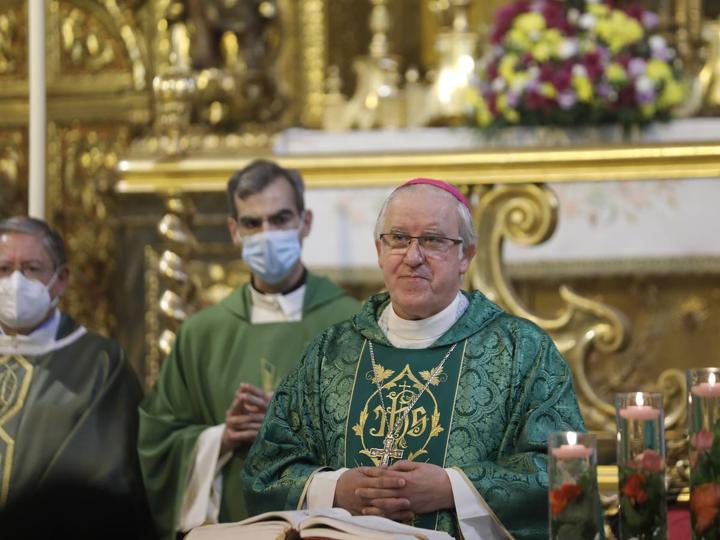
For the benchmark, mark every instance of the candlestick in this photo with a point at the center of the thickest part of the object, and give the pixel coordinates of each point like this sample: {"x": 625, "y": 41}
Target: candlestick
{"x": 703, "y": 429}
{"x": 641, "y": 466}
{"x": 37, "y": 129}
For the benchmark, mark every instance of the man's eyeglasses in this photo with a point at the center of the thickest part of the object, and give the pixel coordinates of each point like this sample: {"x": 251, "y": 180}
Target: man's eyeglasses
{"x": 400, "y": 242}
{"x": 31, "y": 269}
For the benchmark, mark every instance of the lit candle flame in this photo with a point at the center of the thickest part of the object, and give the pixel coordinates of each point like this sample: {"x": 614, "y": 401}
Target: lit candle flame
{"x": 572, "y": 438}
{"x": 639, "y": 400}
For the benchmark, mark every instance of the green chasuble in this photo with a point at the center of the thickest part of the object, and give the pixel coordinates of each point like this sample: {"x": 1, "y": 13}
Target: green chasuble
{"x": 487, "y": 413}
{"x": 68, "y": 415}
{"x": 215, "y": 351}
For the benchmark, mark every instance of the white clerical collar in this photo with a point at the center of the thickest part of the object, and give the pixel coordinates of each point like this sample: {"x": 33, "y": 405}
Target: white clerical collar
{"x": 420, "y": 334}
{"x": 271, "y": 307}
{"x": 39, "y": 341}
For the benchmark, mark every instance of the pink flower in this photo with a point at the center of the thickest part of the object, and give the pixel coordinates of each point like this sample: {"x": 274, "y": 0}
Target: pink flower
{"x": 702, "y": 440}
{"x": 648, "y": 460}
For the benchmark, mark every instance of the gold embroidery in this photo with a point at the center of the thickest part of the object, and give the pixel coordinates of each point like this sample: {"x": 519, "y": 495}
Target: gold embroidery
{"x": 15, "y": 377}
{"x": 404, "y": 387}
{"x": 267, "y": 375}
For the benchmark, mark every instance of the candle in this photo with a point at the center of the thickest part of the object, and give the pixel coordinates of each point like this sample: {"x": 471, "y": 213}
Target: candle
{"x": 571, "y": 451}
{"x": 707, "y": 389}
{"x": 639, "y": 412}
{"x": 38, "y": 108}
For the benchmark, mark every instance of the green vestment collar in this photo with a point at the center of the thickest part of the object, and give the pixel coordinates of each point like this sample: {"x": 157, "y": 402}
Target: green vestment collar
{"x": 318, "y": 292}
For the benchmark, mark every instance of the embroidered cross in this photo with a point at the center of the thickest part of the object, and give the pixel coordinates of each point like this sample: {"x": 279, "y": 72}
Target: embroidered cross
{"x": 387, "y": 451}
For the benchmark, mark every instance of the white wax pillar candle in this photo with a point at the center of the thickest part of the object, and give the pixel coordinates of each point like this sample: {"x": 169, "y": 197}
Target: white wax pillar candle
{"x": 38, "y": 105}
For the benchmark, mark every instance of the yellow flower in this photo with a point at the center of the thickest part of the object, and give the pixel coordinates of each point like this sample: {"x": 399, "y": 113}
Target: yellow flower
{"x": 506, "y": 67}
{"x": 583, "y": 88}
{"x": 519, "y": 39}
{"x": 529, "y": 22}
{"x": 672, "y": 94}
{"x": 599, "y": 10}
{"x": 647, "y": 110}
{"x": 541, "y": 52}
{"x": 548, "y": 90}
{"x": 658, "y": 70}
{"x": 510, "y": 114}
{"x": 618, "y": 30}
{"x": 548, "y": 46}
{"x": 482, "y": 113}
{"x": 615, "y": 73}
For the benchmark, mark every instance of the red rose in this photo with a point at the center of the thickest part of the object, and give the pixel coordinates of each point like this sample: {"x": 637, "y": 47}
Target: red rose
{"x": 633, "y": 488}
{"x": 704, "y": 500}
{"x": 562, "y": 496}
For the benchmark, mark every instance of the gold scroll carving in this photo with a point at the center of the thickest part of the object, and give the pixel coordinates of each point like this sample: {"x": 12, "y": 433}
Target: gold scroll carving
{"x": 527, "y": 214}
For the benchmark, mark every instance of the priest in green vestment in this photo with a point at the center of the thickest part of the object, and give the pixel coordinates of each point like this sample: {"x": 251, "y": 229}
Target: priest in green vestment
{"x": 211, "y": 396}
{"x": 68, "y": 397}
{"x": 431, "y": 405}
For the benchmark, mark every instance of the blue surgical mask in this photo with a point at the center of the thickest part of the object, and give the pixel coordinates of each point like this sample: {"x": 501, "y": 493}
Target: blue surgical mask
{"x": 271, "y": 255}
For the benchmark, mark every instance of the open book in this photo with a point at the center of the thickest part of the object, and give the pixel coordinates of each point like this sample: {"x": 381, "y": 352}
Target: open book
{"x": 334, "y": 523}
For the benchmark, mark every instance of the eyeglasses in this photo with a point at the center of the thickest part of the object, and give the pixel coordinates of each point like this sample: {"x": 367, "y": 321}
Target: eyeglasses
{"x": 438, "y": 245}
{"x": 30, "y": 269}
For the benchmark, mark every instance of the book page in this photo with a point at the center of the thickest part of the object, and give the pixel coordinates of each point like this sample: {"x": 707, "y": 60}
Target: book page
{"x": 367, "y": 525}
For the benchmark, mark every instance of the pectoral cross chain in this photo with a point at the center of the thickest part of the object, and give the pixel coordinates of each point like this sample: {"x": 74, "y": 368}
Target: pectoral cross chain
{"x": 387, "y": 451}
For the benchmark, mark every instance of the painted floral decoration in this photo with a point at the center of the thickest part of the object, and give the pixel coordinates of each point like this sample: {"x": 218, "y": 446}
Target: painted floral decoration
{"x": 568, "y": 62}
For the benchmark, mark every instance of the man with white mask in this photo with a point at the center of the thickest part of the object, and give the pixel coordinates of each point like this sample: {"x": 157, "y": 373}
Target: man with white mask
{"x": 68, "y": 407}
{"x": 214, "y": 387}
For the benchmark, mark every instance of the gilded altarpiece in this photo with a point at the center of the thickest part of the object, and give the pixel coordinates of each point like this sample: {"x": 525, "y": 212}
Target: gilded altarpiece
{"x": 144, "y": 214}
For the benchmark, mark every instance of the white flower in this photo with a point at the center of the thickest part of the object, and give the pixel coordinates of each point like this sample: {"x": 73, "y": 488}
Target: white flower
{"x": 644, "y": 84}
{"x": 568, "y": 48}
{"x": 533, "y": 72}
{"x": 657, "y": 42}
{"x": 587, "y": 21}
{"x": 573, "y": 15}
{"x": 498, "y": 85}
{"x": 579, "y": 70}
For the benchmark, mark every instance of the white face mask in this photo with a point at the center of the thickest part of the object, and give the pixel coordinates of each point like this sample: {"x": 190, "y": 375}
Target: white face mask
{"x": 272, "y": 254}
{"x": 24, "y": 302}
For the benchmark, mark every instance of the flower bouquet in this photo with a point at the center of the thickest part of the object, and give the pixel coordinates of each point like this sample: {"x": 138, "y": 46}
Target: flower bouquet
{"x": 642, "y": 497}
{"x": 704, "y": 483}
{"x": 573, "y": 510}
{"x": 573, "y": 493}
{"x": 555, "y": 62}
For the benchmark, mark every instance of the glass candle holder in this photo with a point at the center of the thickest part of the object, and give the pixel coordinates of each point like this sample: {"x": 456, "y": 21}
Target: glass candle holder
{"x": 641, "y": 466}
{"x": 704, "y": 449}
{"x": 573, "y": 491}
